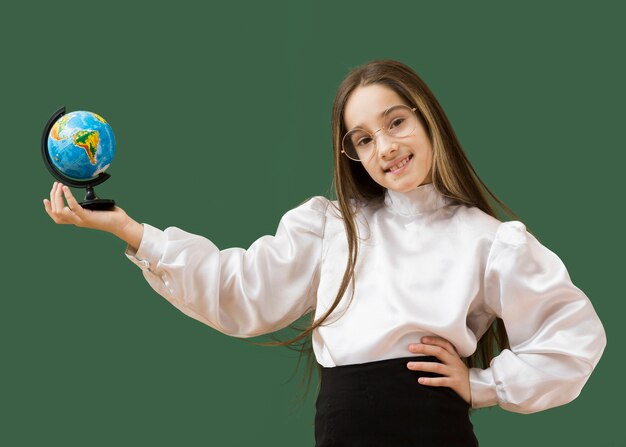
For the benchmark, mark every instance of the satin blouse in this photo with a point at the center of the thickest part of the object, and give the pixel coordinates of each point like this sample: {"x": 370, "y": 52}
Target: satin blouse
{"x": 426, "y": 266}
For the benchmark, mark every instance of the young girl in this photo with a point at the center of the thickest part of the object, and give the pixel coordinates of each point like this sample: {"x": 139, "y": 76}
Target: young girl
{"x": 412, "y": 282}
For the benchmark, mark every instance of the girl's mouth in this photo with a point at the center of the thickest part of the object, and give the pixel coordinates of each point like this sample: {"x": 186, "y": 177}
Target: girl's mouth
{"x": 399, "y": 167}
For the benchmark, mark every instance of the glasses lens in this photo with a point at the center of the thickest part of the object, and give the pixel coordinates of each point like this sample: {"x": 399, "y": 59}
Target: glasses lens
{"x": 400, "y": 121}
{"x": 357, "y": 144}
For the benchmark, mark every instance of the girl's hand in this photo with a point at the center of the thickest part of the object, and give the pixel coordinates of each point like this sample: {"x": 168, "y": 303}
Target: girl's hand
{"x": 455, "y": 373}
{"x": 114, "y": 221}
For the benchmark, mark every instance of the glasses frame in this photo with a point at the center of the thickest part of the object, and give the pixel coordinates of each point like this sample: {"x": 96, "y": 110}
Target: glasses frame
{"x": 373, "y": 134}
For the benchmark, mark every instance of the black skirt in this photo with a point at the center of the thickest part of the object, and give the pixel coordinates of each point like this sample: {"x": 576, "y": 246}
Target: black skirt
{"x": 381, "y": 404}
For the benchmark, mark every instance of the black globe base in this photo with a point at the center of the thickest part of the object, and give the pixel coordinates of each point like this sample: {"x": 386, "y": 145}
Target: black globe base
{"x": 98, "y": 204}
{"x": 92, "y": 202}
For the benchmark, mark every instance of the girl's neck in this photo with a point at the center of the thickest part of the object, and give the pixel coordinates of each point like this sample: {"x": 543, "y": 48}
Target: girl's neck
{"x": 423, "y": 199}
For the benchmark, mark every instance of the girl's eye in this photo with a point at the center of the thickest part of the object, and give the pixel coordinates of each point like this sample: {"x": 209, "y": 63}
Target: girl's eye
{"x": 363, "y": 141}
{"x": 396, "y": 122}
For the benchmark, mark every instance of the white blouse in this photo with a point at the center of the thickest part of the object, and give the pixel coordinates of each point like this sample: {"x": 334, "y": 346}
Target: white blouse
{"x": 426, "y": 266}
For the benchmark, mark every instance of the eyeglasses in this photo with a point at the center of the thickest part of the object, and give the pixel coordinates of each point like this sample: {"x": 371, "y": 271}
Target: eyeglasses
{"x": 398, "y": 122}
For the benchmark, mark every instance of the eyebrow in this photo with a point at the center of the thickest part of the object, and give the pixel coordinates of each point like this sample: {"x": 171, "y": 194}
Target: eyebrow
{"x": 360, "y": 126}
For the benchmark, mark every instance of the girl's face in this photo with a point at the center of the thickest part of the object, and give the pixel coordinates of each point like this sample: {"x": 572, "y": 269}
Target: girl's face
{"x": 364, "y": 109}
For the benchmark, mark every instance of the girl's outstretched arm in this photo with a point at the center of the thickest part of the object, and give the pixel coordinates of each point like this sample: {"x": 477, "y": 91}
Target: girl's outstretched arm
{"x": 236, "y": 291}
{"x": 239, "y": 292}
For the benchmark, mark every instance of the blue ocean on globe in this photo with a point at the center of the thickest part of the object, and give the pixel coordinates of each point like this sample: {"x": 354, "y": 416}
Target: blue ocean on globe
{"x": 81, "y": 145}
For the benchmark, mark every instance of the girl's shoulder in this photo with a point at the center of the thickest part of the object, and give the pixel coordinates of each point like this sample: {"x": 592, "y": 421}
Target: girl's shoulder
{"x": 475, "y": 221}
{"x": 330, "y": 208}
{"x": 314, "y": 205}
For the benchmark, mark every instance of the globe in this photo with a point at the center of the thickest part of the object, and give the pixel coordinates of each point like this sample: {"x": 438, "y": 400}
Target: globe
{"x": 77, "y": 148}
{"x": 81, "y": 145}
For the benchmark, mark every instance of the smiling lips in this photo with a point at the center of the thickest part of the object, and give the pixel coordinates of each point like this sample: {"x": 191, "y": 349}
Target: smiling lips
{"x": 397, "y": 166}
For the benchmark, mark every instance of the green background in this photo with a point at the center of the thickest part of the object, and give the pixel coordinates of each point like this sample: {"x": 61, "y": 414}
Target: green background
{"x": 222, "y": 119}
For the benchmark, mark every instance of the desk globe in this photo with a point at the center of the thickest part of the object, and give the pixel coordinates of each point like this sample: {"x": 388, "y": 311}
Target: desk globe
{"x": 77, "y": 148}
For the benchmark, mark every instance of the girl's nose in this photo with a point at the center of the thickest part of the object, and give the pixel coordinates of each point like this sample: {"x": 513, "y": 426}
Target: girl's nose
{"x": 385, "y": 145}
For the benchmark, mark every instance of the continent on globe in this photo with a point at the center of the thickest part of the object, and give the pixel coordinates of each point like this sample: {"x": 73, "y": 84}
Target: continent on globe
{"x": 88, "y": 140}
{"x": 58, "y": 127}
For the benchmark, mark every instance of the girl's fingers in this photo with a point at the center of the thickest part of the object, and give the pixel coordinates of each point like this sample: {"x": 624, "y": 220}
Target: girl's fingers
{"x": 58, "y": 199}
{"x": 452, "y": 371}
{"x": 442, "y": 342}
{"x": 71, "y": 201}
{"x": 436, "y": 381}
{"x": 56, "y": 208}
{"x": 47, "y": 207}
{"x": 434, "y": 367}
{"x": 52, "y": 208}
{"x": 436, "y": 351}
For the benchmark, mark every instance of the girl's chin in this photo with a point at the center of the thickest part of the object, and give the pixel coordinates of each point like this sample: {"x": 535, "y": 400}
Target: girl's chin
{"x": 404, "y": 185}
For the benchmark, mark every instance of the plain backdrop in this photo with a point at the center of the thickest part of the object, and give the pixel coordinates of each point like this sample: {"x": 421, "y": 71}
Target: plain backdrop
{"x": 221, "y": 113}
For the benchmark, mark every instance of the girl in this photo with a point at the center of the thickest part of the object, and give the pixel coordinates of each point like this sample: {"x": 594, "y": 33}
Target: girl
{"x": 412, "y": 282}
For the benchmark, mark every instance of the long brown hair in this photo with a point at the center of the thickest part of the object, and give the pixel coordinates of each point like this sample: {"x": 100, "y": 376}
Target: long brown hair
{"x": 452, "y": 176}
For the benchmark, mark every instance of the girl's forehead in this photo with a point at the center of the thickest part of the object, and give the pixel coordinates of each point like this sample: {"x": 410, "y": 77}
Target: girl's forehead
{"x": 366, "y": 104}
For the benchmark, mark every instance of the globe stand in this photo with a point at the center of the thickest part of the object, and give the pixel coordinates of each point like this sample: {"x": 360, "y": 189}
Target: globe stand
{"x": 91, "y": 201}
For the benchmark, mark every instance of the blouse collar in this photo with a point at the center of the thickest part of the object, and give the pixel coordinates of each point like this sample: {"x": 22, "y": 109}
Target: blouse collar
{"x": 422, "y": 199}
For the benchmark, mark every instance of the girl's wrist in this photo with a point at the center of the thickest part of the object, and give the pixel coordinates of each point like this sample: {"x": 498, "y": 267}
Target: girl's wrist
{"x": 131, "y": 233}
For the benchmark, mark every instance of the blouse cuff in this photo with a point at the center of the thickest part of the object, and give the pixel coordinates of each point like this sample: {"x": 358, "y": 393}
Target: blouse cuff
{"x": 483, "y": 388}
{"x": 150, "y": 249}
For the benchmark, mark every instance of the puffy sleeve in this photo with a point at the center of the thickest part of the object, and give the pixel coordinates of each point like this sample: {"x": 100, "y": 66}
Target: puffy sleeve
{"x": 239, "y": 292}
{"x": 555, "y": 335}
